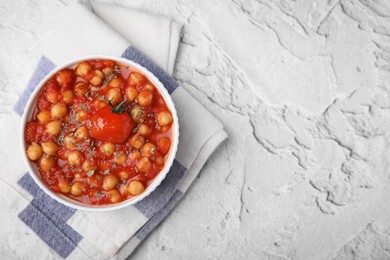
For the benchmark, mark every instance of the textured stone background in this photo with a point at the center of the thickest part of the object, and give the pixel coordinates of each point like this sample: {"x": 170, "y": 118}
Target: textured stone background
{"x": 302, "y": 89}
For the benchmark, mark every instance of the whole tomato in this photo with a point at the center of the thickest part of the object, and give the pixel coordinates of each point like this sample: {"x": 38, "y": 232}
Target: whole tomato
{"x": 111, "y": 125}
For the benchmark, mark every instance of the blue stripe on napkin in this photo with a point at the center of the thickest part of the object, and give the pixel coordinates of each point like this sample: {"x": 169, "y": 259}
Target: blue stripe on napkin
{"x": 47, "y": 218}
{"x": 135, "y": 55}
{"x": 44, "y": 67}
{"x": 159, "y": 216}
{"x": 163, "y": 193}
{"x": 52, "y": 207}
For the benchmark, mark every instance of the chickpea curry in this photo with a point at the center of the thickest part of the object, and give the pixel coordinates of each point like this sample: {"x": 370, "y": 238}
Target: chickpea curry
{"x": 100, "y": 133}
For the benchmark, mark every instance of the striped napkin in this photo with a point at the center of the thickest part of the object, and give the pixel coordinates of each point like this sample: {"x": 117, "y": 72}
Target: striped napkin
{"x": 33, "y": 225}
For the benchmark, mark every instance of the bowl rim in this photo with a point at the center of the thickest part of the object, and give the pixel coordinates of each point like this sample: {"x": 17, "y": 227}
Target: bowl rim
{"x": 32, "y": 169}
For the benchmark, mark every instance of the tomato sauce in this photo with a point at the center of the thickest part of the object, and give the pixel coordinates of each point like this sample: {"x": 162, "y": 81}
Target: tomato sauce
{"x": 100, "y": 133}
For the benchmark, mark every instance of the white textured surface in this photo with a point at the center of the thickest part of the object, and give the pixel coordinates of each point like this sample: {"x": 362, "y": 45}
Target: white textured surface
{"x": 302, "y": 89}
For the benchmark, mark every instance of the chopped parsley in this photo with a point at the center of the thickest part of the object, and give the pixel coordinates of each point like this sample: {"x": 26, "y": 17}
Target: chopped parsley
{"x": 60, "y": 138}
{"x": 90, "y": 173}
{"x": 117, "y": 69}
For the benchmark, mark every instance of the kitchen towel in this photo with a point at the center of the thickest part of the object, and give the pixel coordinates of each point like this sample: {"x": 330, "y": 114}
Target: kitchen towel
{"x": 36, "y": 226}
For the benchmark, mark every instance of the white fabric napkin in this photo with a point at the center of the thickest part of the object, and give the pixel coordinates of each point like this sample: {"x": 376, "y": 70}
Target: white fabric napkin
{"x": 32, "y": 225}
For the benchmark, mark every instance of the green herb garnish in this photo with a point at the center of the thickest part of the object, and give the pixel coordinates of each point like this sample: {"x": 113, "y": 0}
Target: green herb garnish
{"x": 119, "y": 109}
{"x": 90, "y": 173}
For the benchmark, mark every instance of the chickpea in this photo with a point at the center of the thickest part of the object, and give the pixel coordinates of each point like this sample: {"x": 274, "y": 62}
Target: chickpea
{"x": 65, "y": 78}
{"x": 68, "y": 96}
{"x": 131, "y": 93}
{"x": 114, "y": 95}
{"x": 44, "y": 116}
{"x": 135, "y": 188}
{"x": 164, "y": 118}
{"x": 77, "y": 188}
{"x": 49, "y": 148}
{"x": 77, "y": 176}
{"x": 75, "y": 158}
{"x": 165, "y": 128}
{"x": 95, "y": 181}
{"x": 89, "y": 165}
{"x": 116, "y": 83}
{"x": 59, "y": 110}
{"x": 145, "y": 98}
{"x": 138, "y": 114}
{"x": 149, "y": 86}
{"x": 99, "y": 103}
{"x": 107, "y": 149}
{"x": 149, "y": 149}
{"x": 99, "y": 73}
{"x": 120, "y": 158}
{"x": 159, "y": 160}
{"x": 123, "y": 190}
{"x": 83, "y": 68}
{"x": 135, "y": 78}
{"x": 34, "y": 151}
{"x": 46, "y": 163}
{"x": 53, "y": 127}
{"x": 143, "y": 129}
{"x": 137, "y": 141}
{"x": 81, "y": 88}
{"x": 64, "y": 186}
{"x": 97, "y": 79}
{"x": 52, "y": 94}
{"x": 82, "y": 132}
{"x": 124, "y": 175}
{"x": 81, "y": 116}
{"x": 163, "y": 145}
{"x": 107, "y": 71}
{"x": 114, "y": 196}
{"x": 69, "y": 141}
{"x": 109, "y": 182}
{"x": 144, "y": 164}
{"x": 135, "y": 155}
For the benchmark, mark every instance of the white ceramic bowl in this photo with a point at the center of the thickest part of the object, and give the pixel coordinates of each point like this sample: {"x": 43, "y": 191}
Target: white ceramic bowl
{"x": 32, "y": 168}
